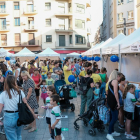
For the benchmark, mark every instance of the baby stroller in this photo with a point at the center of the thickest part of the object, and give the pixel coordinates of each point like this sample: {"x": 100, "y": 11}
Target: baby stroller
{"x": 63, "y": 90}
{"x": 92, "y": 113}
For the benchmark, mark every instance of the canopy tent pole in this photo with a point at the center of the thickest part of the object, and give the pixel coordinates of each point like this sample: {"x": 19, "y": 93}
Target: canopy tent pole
{"x": 101, "y": 64}
{"x": 120, "y": 58}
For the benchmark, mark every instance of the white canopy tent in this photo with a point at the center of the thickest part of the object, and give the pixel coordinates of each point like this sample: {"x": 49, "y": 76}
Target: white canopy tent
{"x": 24, "y": 52}
{"x": 74, "y": 54}
{"x": 4, "y": 53}
{"x": 48, "y": 52}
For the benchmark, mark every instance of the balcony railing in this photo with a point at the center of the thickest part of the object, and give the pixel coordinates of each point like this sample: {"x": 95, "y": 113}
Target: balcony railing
{"x": 30, "y": 42}
{"x": 3, "y": 43}
{"x": 31, "y": 27}
{"x": 64, "y": 13}
{"x": 31, "y": 11}
{"x": 4, "y": 28}
{"x": 63, "y": 43}
{"x": 3, "y": 12}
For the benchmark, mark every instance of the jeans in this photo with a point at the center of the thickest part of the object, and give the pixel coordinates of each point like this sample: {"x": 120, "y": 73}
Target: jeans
{"x": 102, "y": 89}
{"x": 12, "y": 131}
{"x": 44, "y": 77}
{"x": 114, "y": 118}
{"x": 86, "y": 99}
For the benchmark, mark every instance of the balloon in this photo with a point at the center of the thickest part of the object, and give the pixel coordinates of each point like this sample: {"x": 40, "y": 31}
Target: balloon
{"x": 89, "y": 58}
{"x": 92, "y": 58}
{"x": 36, "y": 58}
{"x": 71, "y": 78}
{"x": 7, "y": 58}
{"x": 80, "y": 56}
{"x": 114, "y": 58}
{"x": 97, "y": 58}
{"x": 85, "y": 57}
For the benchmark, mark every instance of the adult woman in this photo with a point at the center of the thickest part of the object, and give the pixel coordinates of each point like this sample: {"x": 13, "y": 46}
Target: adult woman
{"x": 29, "y": 90}
{"x": 113, "y": 102}
{"x": 37, "y": 79}
{"x": 96, "y": 78}
{"x": 44, "y": 71}
{"x": 9, "y": 102}
{"x": 1, "y": 82}
{"x": 3, "y": 68}
{"x": 87, "y": 98}
{"x": 20, "y": 78}
{"x": 17, "y": 72}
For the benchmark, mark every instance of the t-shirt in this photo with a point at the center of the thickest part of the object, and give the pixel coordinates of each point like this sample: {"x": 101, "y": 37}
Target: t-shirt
{"x": 10, "y": 104}
{"x": 58, "y": 69}
{"x": 44, "y": 68}
{"x": 43, "y": 88}
{"x": 85, "y": 80}
{"x": 51, "y": 69}
{"x": 49, "y": 82}
{"x": 56, "y": 115}
{"x": 106, "y": 86}
{"x": 129, "y": 102}
{"x": 97, "y": 91}
{"x": 103, "y": 77}
{"x": 31, "y": 71}
{"x": 67, "y": 74}
{"x": 36, "y": 78}
{"x": 48, "y": 111}
{"x": 82, "y": 73}
{"x": 96, "y": 78}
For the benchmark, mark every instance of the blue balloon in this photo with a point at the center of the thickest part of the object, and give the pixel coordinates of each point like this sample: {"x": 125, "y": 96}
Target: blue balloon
{"x": 71, "y": 78}
{"x": 36, "y": 58}
{"x": 85, "y": 57}
{"x": 89, "y": 58}
{"x": 97, "y": 58}
{"x": 80, "y": 56}
{"x": 114, "y": 58}
{"x": 7, "y": 58}
{"x": 92, "y": 58}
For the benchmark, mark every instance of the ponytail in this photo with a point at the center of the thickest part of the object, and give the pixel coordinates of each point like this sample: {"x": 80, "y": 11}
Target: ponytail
{"x": 127, "y": 88}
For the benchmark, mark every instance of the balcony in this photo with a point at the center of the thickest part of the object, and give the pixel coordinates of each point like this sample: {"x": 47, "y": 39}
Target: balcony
{"x": 88, "y": 3}
{"x": 28, "y": 43}
{"x": 3, "y": 43}
{"x": 88, "y": 17}
{"x": 31, "y": 28}
{"x": 4, "y": 28}
{"x": 64, "y": 13}
{"x": 62, "y": 29}
{"x": 30, "y": 11}
{"x": 3, "y": 12}
{"x": 88, "y": 31}
{"x": 62, "y": 44}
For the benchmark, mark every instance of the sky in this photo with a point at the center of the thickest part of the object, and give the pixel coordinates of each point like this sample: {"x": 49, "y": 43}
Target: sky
{"x": 96, "y": 11}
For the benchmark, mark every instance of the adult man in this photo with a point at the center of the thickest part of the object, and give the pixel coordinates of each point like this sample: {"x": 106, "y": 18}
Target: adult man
{"x": 57, "y": 70}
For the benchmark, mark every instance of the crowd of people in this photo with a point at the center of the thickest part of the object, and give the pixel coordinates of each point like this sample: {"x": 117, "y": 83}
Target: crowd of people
{"x": 35, "y": 77}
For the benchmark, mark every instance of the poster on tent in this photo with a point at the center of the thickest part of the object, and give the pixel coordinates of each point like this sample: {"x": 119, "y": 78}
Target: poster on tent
{"x": 135, "y": 48}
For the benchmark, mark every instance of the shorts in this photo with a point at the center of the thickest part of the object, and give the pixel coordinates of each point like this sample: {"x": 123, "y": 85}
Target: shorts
{"x": 37, "y": 92}
{"x": 48, "y": 120}
{"x": 56, "y": 132}
{"x": 129, "y": 115}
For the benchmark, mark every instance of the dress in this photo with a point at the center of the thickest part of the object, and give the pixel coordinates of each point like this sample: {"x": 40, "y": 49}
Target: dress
{"x": 32, "y": 100}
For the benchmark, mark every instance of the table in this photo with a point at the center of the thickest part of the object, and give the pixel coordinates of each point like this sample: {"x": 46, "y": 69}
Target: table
{"x": 137, "y": 113}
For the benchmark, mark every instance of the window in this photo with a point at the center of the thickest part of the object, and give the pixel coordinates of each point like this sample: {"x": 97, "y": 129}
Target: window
{"x": 16, "y": 5}
{"x": 80, "y": 8}
{"x": 3, "y": 39}
{"x": 61, "y": 7}
{"x": 80, "y": 39}
{"x": 80, "y": 24}
{"x": 70, "y": 37}
{"x": 120, "y": 2}
{"x": 130, "y": 15}
{"x": 61, "y": 24}
{"x": 48, "y": 38}
{"x": 2, "y": 7}
{"x": 48, "y": 22}
{"x": 17, "y": 21}
{"x": 130, "y": 30}
{"x": 17, "y": 39}
{"x": 120, "y": 17}
{"x": 47, "y": 6}
{"x": 30, "y": 8}
{"x": 130, "y": 1}
{"x": 120, "y": 31}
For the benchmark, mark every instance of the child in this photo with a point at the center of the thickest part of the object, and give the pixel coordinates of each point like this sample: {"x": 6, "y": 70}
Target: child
{"x": 44, "y": 94}
{"x": 49, "y": 80}
{"x": 55, "y": 117}
{"x": 97, "y": 90}
{"x": 50, "y": 91}
{"x": 129, "y": 107}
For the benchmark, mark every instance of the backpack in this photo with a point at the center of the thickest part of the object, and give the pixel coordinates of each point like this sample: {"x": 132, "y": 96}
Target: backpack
{"x": 84, "y": 87}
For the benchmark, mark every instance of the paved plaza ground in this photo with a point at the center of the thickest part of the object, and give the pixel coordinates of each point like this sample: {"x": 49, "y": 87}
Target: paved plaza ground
{"x": 42, "y": 132}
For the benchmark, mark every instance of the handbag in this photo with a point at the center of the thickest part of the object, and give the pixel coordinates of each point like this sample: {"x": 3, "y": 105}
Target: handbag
{"x": 25, "y": 115}
{"x": 73, "y": 93}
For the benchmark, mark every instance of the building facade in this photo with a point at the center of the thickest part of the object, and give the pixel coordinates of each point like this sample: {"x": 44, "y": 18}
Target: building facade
{"x": 58, "y": 24}
{"x": 138, "y": 13}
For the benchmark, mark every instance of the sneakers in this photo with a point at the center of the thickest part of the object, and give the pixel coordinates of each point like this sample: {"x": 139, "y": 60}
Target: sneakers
{"x": 115, "y": 134}
{"x": 62, "y": 137}
{"x": 126, "y": 133}
{"x": 131, "y": 137}
{"x": 121, "y": 126}
{"x": 110, "y": 137}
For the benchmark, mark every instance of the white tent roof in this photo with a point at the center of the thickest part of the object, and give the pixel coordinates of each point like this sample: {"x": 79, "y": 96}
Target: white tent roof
{"x": 24, "y": 52}
{"x": 73, "y": 54}
{"x": 115, "y": 40}
{"x": 132, "y": 39}
{"x": 4, "y": 53}
{"x": 48, "y": 52}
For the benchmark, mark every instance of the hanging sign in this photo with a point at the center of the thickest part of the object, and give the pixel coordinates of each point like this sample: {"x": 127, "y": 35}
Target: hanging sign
{"x": 108, "y": 51}
{"x": 135, "y": 48}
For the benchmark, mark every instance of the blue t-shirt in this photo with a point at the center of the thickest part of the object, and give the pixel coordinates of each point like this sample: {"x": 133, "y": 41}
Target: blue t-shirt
{"x": 97, "y": 91}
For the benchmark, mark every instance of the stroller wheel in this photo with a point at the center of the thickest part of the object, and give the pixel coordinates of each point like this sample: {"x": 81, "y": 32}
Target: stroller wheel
{"x": 92, "y": 132}
{"x": 77, "y": 127}
{"x": 72, "y": 107}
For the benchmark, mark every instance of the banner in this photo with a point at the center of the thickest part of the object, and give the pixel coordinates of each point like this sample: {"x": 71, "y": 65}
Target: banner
{"x": 135, "y": 48}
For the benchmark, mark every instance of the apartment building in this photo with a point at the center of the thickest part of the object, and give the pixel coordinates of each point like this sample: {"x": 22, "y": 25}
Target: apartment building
{"x": 138, "y": 13}
{"x": 125, "y": 12}
{"x": 58, "y": 24}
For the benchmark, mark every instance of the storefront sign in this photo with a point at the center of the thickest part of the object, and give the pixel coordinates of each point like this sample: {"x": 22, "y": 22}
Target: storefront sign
{"x": 108, "y": 51}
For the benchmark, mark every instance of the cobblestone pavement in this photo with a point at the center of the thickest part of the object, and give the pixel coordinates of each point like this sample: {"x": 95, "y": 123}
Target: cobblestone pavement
{"x": 42, "y": 132}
